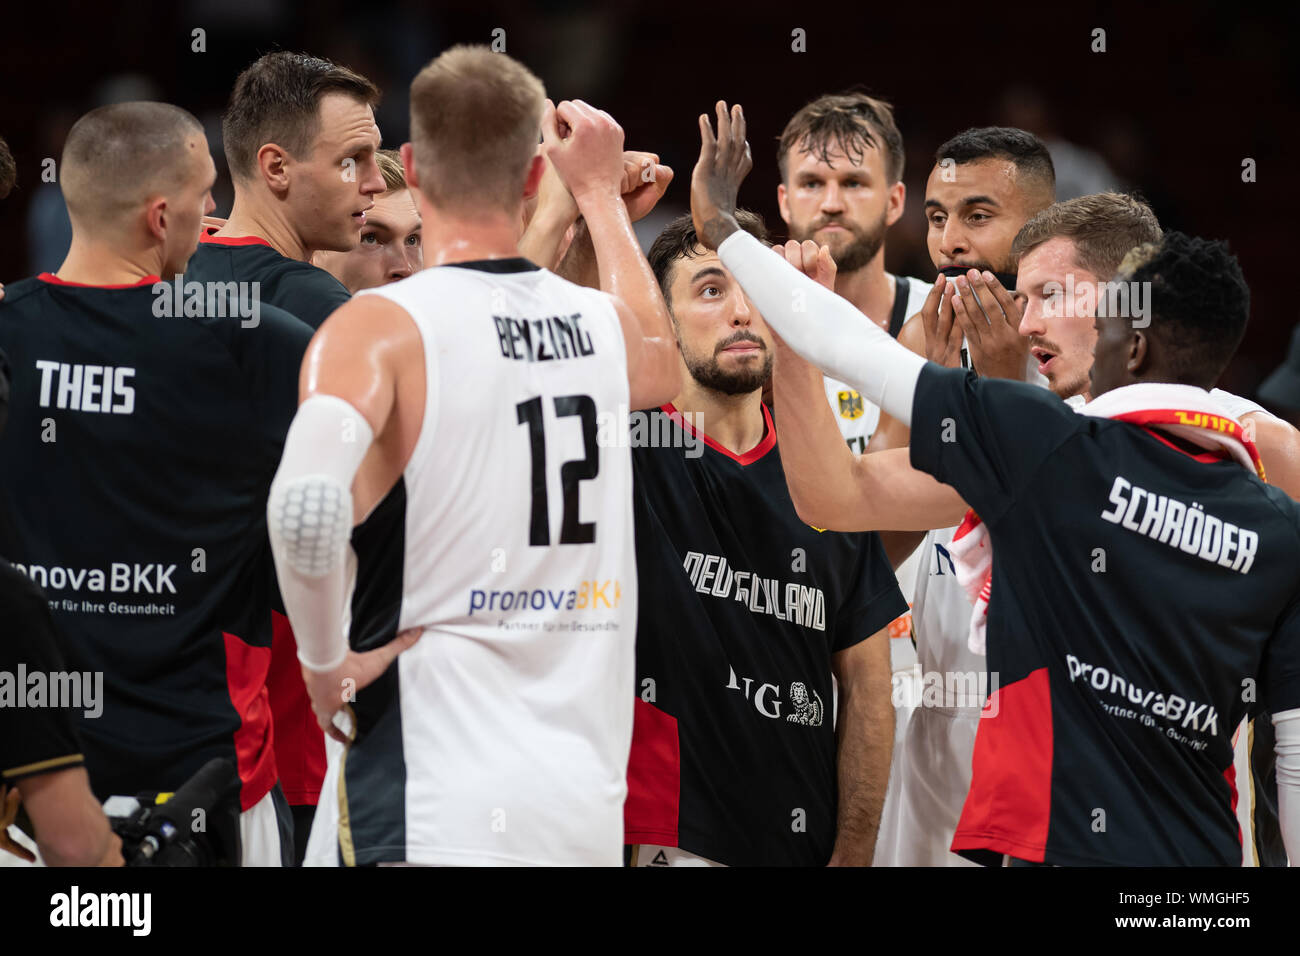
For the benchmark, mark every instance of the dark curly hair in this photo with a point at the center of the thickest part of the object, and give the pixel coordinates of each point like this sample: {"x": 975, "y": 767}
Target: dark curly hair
{"x": 679, "y": 241}
{"x": 1198, "y": 299}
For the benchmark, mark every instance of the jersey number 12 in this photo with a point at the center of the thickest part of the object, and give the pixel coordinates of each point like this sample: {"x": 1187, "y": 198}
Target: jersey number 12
{"x": 572, "y": 530}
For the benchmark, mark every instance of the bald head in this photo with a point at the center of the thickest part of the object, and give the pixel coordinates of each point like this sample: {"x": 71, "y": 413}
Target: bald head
{"x": 118, "y": 156}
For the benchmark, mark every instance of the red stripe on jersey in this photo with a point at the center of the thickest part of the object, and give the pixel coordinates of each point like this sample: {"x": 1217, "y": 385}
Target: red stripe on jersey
{"x": 254, "y": 751}
{"x": 749, "y": 457}
{"x": 1230, "y": 775}
{"x": 299, "y": 741}
{"x": 233, "y": 240}
{"x": 55, "y": 280}
{"x": 1009, "y": 805}
{"x": 1207, "y": 457}
{"x": 654, "y": 778}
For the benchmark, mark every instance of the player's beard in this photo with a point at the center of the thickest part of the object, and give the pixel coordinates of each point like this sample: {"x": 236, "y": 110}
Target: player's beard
{"x": 853, "y": 253}
{"x": 708, "y": 372}
{"x": 1078, "y": 386}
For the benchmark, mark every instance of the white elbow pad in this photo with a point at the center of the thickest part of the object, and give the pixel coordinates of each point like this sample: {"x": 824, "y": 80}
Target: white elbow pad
{"x": 309, "y": 519}
{"x": 309, "y": 513}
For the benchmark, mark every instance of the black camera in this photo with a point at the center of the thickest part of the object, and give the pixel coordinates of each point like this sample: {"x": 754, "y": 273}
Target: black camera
{"x": 198, "y": 825}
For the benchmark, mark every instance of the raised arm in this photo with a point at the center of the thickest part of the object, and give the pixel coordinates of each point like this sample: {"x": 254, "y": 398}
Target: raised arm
{"x": 586, "y": 147}
{"x": 824, "y": 328}
{"x": 830, "y": 486}
{"x": 833, "y": 488}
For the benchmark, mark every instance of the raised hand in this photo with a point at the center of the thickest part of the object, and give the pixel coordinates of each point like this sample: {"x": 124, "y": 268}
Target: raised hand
{"x": 942, "y": 333}
{"x": 812, "y": 260}
{"x": 724, "y": 162}
{"x": 990, "y": 318}
{"x": 644, "y": 181}
{"x": 585, "y": 146}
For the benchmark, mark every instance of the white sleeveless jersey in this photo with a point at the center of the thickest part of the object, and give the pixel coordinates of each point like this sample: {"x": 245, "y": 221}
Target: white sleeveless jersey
{"x": 503, "y": 735}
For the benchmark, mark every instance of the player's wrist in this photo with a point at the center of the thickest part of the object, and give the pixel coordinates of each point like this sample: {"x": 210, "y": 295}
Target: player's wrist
{"x": 597, "y": 199}
{"x": 556, "y": 215}
{"x": 325, "y": 669}
{"x": 718, "y": 228}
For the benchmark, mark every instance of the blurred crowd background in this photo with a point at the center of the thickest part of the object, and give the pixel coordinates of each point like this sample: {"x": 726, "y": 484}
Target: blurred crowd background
{"x": 1183, "y": 94}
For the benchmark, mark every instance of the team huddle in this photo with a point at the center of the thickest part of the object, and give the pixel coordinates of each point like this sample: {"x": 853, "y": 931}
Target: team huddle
{"x": 468, "y": 533}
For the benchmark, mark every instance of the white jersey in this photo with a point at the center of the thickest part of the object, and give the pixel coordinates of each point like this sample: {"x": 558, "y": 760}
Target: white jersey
{"x": 857, "y": 417}
{"x": 858, "y": 420}
{"x": 1242, "y": 742}
{"x": 502, "y": 735}
{"x": 932, "y": 768}
{"x": 932, "y": 765}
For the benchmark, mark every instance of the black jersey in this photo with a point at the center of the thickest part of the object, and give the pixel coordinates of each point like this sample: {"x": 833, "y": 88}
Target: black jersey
{"x": 300, "y": 288}
{"x": 741, "y": 607}
{"x": 39, "y": 699}
{"x": 1125, "y": 651}
{"x": 135, "y": 465}
{"x": 311, "y": 294}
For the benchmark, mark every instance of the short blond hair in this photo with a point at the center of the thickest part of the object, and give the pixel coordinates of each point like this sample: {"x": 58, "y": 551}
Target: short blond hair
{"x": 476, "y": 118}
{"x": 1102, "y": 226}
{"x": 390, "y": 167}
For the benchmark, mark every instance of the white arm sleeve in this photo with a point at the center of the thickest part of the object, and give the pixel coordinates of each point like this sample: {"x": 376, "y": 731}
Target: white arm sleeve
{"x": 823, "y": 327}
{"x": 309, "y": 518}
{"x": 1287, "y": 748}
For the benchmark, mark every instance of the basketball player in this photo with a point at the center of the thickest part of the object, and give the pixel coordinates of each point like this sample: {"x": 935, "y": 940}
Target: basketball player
{"x": 40, "y": 756}
{"x": 158, "y": 570}
{"x": 841, "y": 162}
{"x": 745, "y": 614}
{"x": 1071, "y": 247}
{"x": 388, "y": 248}
{"x": 466, "y": 400}
{"x": 1060, "y": 744}
{"x": 301, "y": 141}
{"x": 985, "y": 183}
{"x": 1065, "y": 252}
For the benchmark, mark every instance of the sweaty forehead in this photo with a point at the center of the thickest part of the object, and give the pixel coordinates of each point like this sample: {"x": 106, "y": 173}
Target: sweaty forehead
{"x": 824, "y": 158}
{"x": 686, "y": 269}
{"x": 345, "y": 120}
{"x": 1052, "y": 261}
{"x": 395, "y": 210}
{"x": 950, "y": 185}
